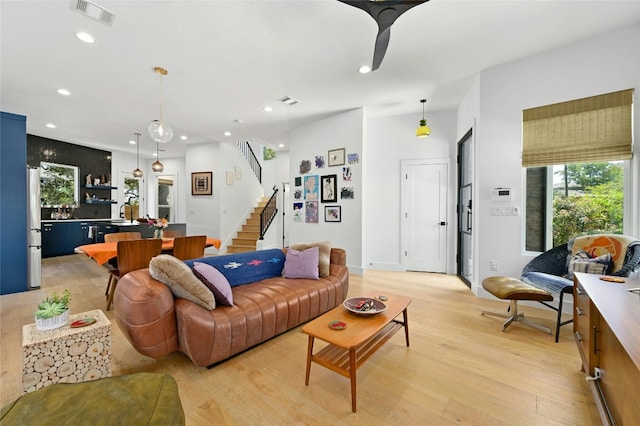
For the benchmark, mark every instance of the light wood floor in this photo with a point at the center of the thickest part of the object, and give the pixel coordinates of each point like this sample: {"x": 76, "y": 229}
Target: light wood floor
{"x": 460, "y": 369}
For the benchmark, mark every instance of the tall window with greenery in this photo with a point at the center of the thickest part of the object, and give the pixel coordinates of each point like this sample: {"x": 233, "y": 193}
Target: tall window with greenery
{"x": 587, "y": 199}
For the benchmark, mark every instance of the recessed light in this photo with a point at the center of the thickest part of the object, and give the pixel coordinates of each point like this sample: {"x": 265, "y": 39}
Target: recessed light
{"x": 63, "y": 92}
{"x": 267, "y": 109}
{"x": 364, "y": 69}
{"x": 132, "y": 142}
{"x": 87, "y": 38}
{"x": 51, "y": 126}
{"x": 238, "y": 121}
{"x": 281, "y": 145}
{"x": 155, "y": 154}
{"x": 183, "y": 137}
{"x": 289, "y": 100}
{"x": 227, "y": 133}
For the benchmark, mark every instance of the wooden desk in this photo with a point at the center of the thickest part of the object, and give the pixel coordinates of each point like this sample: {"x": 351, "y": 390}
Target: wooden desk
{"x": 102, "y": 252}
{"x": 348, "y": 349}
{"x": 606, "y": 327}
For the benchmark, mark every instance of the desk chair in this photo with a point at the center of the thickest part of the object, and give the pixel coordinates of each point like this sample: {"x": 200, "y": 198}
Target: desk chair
{"x": 185, "y": 248}
{"x": 112, "y": 265}
{"x": 133, "y": 255}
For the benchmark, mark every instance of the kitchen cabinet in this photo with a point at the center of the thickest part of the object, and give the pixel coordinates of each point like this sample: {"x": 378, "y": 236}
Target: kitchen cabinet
{"x": 606, "y": 326}
{"x": 54, "y": 239}
{"x": 77, "y": 235}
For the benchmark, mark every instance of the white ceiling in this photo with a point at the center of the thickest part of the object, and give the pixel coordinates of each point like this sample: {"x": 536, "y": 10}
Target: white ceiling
{"x": 229, "y": 59}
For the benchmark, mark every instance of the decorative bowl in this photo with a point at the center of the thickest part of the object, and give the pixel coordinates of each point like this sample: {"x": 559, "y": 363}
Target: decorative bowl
{"x": 364, "y": 305}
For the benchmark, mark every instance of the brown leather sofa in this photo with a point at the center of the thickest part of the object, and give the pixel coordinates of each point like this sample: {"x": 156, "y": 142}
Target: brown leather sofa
{"x": 156, "y": 324}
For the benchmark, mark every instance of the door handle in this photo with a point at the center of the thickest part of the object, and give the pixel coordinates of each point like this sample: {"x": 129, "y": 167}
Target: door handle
{"x": 443, "y": 223}
{"x": 468, "y": 220}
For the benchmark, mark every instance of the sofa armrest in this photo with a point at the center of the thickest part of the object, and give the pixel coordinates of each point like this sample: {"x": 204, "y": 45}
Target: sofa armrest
{"x": 338, "y": 257}
{"x": 145, "y": 312}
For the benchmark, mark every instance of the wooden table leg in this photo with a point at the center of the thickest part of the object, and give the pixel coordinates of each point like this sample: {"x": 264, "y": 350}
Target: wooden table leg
{"x": 406, "y": 325}
{"x": 352, "y": 376}
{"x": 309, "y": 354}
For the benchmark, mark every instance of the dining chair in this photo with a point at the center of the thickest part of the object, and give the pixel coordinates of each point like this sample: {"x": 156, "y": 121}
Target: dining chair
{"x": 192, "y": 247}
{"x": 112, "y": 264}
{"x": 133, "y": 255}
{"x": 172, "y": 233}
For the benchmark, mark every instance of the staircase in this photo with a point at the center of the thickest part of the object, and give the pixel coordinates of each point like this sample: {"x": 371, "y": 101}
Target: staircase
{"x": 250, "y": 233}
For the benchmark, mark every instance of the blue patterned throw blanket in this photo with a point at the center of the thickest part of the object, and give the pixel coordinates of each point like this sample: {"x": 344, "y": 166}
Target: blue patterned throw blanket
{"x": 244, "y": 268}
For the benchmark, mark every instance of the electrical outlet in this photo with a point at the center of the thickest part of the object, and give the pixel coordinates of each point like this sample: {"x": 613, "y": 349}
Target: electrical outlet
{"x": 493, "y": 265}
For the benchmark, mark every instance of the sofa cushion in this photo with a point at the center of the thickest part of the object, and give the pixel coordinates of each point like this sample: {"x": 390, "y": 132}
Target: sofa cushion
{"x": 244, "y": 268}
{"x": 597, "y": 245}
{"x": 324, "y": 256}
{"x": 215, "y": 281}
{"x": 582, "y": 262}
{"x": 301, "y": 264}
{"x": 176, "y": 275}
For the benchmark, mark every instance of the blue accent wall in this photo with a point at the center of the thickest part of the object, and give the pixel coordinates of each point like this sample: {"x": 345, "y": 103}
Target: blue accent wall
{"x": 13, "y": 203}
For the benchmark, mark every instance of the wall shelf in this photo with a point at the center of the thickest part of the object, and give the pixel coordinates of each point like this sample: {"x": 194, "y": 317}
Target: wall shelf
{"x": 92, "y": 201}
{"x": 100, "y": 187}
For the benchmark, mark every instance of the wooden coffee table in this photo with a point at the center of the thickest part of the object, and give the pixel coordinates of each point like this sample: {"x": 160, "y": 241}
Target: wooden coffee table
{"x": 349, "y": 348}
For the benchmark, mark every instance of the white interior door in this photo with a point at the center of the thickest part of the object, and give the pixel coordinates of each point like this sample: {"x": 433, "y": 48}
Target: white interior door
{"x": 425, "y": 215}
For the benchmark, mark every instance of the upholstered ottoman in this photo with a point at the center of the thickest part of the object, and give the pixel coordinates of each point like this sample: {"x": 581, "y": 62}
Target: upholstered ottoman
{"x": 507, "y": 288}
{"x": 134, "y": 399}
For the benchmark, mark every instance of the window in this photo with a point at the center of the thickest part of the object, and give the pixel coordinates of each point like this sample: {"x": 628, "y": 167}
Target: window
{"x": 574, "y": 153}
{"x": 574, "y": 199}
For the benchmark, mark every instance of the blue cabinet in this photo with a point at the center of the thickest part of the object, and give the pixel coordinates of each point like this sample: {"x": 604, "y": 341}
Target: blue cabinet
{"x": 54, "y": 239}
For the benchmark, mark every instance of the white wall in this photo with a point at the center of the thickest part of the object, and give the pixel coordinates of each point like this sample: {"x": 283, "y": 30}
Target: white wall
{"x": 343, "y": 130}
{"x": 389, "y": 140}
{"x": 603, "y": 64}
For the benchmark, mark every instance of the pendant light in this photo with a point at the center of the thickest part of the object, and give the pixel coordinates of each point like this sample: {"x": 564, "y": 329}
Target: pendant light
{"x": 137, "y": 173}
{"x": 157, "y": 166}
{"x": 158, "y": 129}
{"x": 424, "y": 130}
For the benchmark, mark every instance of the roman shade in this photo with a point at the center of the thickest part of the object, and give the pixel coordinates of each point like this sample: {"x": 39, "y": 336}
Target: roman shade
{"x": 585, "y": 130}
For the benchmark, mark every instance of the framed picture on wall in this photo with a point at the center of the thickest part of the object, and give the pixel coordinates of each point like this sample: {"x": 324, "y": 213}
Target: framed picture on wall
{"x": 202, "y": 183}
{"x": 332, "y": 213}
{"x": 329, "y": 189}
{"x": 336, "y": 157}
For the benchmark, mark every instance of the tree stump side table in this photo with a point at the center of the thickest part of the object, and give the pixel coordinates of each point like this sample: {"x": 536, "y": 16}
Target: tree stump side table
{"x": 66, "y": 354}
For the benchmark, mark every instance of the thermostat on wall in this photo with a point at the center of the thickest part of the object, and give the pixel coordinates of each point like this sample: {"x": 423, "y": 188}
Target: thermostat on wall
{"x": 501, "y": 194}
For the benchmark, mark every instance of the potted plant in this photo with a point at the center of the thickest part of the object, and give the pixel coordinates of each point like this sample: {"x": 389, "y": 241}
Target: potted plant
{"x": 53, "y": 311}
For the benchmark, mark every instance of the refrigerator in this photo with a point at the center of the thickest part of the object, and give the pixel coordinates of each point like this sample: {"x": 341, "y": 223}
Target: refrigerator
{"x": 34, "y": 238}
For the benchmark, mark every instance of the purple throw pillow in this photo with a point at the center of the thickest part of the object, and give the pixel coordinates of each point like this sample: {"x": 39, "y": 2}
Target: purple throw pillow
{"x": 301, "y": 264}
{"x": 215, "y": 281}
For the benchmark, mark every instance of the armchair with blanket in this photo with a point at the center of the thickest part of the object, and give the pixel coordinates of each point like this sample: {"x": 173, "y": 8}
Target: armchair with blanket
{"x": 553, "y": 269}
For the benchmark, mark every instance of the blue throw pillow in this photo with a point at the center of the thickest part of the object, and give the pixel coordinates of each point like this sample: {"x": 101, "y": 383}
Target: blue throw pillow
{"x": 244, "y": 268}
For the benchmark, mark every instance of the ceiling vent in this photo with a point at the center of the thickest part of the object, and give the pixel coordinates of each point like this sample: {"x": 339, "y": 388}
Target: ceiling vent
{"x": 289, "y": 100}
{"x": 93, "y": 11}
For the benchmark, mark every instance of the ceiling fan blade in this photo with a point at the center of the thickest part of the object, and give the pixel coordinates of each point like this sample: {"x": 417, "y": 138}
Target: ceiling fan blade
{"x": 382, "y": 41}
{"x": 385, "y": 14}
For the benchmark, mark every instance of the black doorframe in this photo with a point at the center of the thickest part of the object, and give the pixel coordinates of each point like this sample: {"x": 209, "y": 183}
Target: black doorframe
{"x": 464, "y": 212}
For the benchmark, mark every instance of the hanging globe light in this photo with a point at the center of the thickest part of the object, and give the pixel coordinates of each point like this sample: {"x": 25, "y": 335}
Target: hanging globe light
{"x": 160, "y": 131}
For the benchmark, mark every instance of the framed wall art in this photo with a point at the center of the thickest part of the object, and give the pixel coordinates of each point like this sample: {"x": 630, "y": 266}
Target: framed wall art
{"x": 336, "y": 157}
{"x": 329, "y": 189}
{"x": 202, "y": 183}
{"x": 332, "y": 214}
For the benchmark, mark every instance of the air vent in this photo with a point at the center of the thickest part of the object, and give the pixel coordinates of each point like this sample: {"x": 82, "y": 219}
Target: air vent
{"x": 289, "y": 100}
{"x": 93, "y": 11}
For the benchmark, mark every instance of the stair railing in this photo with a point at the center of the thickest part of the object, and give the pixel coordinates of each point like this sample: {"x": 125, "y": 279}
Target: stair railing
{"x": 254, "y": 164}
{"x": 268, "y": 213}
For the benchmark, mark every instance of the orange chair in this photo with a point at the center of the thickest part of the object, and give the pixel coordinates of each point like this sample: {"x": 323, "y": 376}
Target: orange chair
{"x": 133, "y": 255}
{"x": 112, "y": 266}
{"x": 185, "y": 248}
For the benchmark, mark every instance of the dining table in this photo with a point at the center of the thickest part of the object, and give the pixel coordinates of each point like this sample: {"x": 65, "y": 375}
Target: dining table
{"x": 103, "y": 252}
